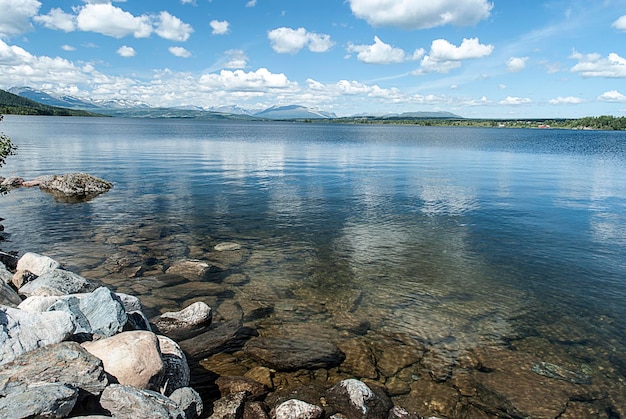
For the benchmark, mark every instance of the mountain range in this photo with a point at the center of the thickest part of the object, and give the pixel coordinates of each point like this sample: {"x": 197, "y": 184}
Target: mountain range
{"x": 138, "y": 109}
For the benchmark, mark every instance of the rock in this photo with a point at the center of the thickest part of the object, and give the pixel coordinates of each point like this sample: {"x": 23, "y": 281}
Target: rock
{"x": 22, "y": 277}
{"x": 22, "y": 331}
{"x": 12, "y": 182}
{"x": 64, "y": 363}
{"x": 75, "y": 185}
{"x": 5, "y": 274}
{"x": 398, "y": 412}
{"x": 355, "y": 400}
{"x": 130, "y": 302}
{"x": 227, "y": 247}
{"x": 297, "y": 409}
{"x": 294, "y": 353}
{"x": 8, "y": 296}
{"x": 9, "y": 260}
{"x": 230, "y": 406}
{"x": 184, "y": 324}
{"x": 100, "y": 312}
{"x": 190, "y": 269}
{"x": 38, "y": 303}
{"x": 50, "y": 400}
{"x": 225, "y": 337}
{"x": 36, "y": 263}
{"x": 57, "y": 282}
{"x": 124, "y": 401}
{"x": 189, "y": 401}
{"x": 360, "y": 361}
{"x": 255, "y": 410}
{"x": 176, "y": 369}
{"x": 133, "y": 358}
{"x": 261, "y": 375}
{"x": 555, "y": 371}
{"x": 230, "y": 384}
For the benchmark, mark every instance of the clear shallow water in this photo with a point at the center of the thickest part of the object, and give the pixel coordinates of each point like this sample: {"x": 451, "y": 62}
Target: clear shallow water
{"x": 458, "y": 237}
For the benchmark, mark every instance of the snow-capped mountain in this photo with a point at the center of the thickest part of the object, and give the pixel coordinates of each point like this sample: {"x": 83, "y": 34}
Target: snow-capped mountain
{"x": 71, "y": 102}
{"x": 293, "y": 112}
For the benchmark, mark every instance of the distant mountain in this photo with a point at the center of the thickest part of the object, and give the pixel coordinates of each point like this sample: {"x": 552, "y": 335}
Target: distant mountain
{"x": 232, "y": 109}
{"x": 18, "y": 105}
{"x": 71, "y": 102}
{"x": 293, "y": 112}
{"x": 447, "y": 115}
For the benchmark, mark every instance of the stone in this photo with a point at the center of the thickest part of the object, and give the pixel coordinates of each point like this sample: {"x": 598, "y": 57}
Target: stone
{"x": 22, "y": 331}
{"x": 189, "y": 401}
{"x": 133, "y": 358}
{"x": 176, "y": 372}
{"x": 191, "y": 269}
{"x": 255, "y": 410}
{"x": 355, "y": 400}
{"x": 36, "y": 263}
{"x": 294, "y": 353}
{"x": 261, "y": 375}
{"x": 233, "y": 384}
{"x": 5, "y": 274}
{"x": 224, "y": 337}
{"x": 12, "y": 182}
{"x": 124, "y": 401}
{"x": 22, "y": 277}
{"x": 38, "y": 303}
{"x": 49, "y": 400}
{"x": 184, "y": 324}
{"x": 9, "y": 260}
{"x": 297, "y": 409}
{"x": 8, "y": 296}
{"x": 75, "y": 185}
{"x": 57, "y": 282}
{"x": 230, "y": 406}
{"x": 227, "y": 247}
{"x": 130, "y": 302}
{"x": 65, "y": 363}
{"x": 398, "y": 412}
{"x": 360, "y": 361}
{"x": 100, "y": 312}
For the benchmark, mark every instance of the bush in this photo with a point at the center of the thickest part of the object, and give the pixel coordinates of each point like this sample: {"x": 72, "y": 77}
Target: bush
{"x": 7, "y": 148}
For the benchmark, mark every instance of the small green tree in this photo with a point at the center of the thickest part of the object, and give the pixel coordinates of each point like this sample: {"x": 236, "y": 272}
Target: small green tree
{"x": 7, "y": 148}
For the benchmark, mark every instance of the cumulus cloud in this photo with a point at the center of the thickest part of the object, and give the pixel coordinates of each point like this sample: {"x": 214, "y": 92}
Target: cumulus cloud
{"x": 515, "y": 64}
{"x": 57, "y": 19}
{"x": 413, "y": 14}
{"x": 251, "y": 3}
{"x": 382, "y": 53}
{"x": 112, "y": 21}
{"x": 593, "y": 65}
{"x": 239, "y": 80}
{"x": 569, "y": 100}
{"x": 515, "y": 101}
{"x": 126, "y": 51}
{"x": 612, "y": 96}
{"x": 445, "y": 56}
{"x": 220, "y": 27}
{"x": 15, "y": 16}
{"x": 290, "y": 41}
{"x": 172, "y": 28}
{"x": 236, "y": 58}
{"x": 620, "y": 24}
{"x": 179, "y": 52}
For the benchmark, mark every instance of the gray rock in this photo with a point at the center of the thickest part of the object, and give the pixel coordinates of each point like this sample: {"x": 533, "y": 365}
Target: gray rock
{"x": 39, "y": 303}
{"x": 64, "y": 363}
{"x": 57, "y": 282}
{"x": 49, "y": 400}
{"x": 355, "y": 400}
{"x": 100, "y": 312}
{"x": 36, "y": 263}
{"x": 229, "y": 336}
{"x": 8, "y": 296}
{"x": 230, "y": 406}
{"x": 227, "y": 247}
{"x": 294, "y": 353}
{"x": 398, "y": 412}
{"x": 176, "y": 369}
{"x": 22, "y": 331}
{"x": 130, "y": 302}
{"x": 189, "y": 401}
{"x": 297, "y": 409}
{"x": 76, "y": 184}
{"x": 190, "y": 269}
{"x": 22, "y": 277}
{"x": 137, "y": 320}
{"x": 5, "y": 274}
{"x": 129, "y": 402}
{"x": 186, "y": 323}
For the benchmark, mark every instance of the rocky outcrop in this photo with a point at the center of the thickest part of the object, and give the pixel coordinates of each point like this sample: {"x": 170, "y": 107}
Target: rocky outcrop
{"x": 75, "y": 185}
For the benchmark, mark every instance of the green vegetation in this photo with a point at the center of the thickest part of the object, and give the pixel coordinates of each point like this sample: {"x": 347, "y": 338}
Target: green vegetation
{"x": 7, "y": 148}
{"x": 17, "y": 105}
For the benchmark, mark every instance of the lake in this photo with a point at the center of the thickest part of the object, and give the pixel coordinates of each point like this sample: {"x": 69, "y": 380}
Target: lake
{"x": 460, "y": 239}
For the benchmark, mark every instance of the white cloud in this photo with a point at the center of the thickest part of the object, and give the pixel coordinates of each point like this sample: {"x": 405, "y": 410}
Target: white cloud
{"x": 113, "y": 21}
{"x": 179, "y": 52}
{"x": 172, "y": 28}
{"x": 220, "y": 27}
{"x": 612, "y": 96}
{"x": 251, "y": 3}
{"x": 236, "y": 58}
{"x": 238, "y": 80}
{"x": 515, "y": 64}
{"x": 68, "y": 48}
{"x": 15, "y": 16}
{"x": 382, "y": 53}
{"x": 445, "y": 56}
{"x": 57, "y": 19}
{"x": 515, "y": 101}
{"x": 414, "y": 14}
{"x": 290, "y": 41}
{"x": 620, "y": 24}
{"x": 593, "y": 65}
{"x": 126, "y": 51}
{"x": 569, "y": 100}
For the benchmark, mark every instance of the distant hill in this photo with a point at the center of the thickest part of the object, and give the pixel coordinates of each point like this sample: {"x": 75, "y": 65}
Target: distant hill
{"x": 293, "y": 112}
{"x": 18, "y": 105}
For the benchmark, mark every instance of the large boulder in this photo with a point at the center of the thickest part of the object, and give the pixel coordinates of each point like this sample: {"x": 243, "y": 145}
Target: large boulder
{"x": 75, "y": 185}
{"x": 129, "y": 402}
{"x": 189, "y": 401}
{"x": 57, "y": 282}
{"x": 36, "y": 263}
{"x": 8, "y": 296}
{"x": 100, "y": 312}
{"x": 50, "y": 400}
{"x": 184, "y": 324}
{"x": 133, "y": 358}
{"x": 21, "y": 331}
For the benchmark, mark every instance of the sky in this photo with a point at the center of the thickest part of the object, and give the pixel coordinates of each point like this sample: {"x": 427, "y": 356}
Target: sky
{"x": 475, "y": 58}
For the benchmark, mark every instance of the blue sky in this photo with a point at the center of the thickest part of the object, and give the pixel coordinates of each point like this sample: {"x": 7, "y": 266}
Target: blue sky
{"x": 476, "y": 58}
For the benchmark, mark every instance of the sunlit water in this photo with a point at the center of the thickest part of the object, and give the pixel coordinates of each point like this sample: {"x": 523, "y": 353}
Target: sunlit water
{"x": 459, "y": 237}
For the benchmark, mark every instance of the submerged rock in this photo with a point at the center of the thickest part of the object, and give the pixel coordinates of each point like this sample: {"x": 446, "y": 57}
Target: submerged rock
{"x": 297, "y": 409}
{"x": 355, "y": 400}
{"x": 186, "y": 323}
